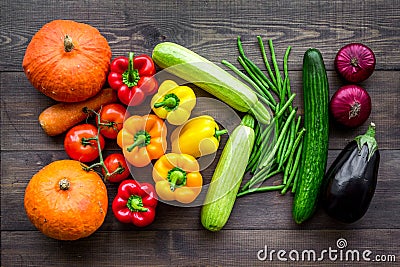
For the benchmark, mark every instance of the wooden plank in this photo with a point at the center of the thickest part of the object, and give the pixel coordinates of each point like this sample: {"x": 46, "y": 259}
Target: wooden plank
{"x": 22, "y": 105}
{"x": 257, "y": 211}
{"x": 201, "y": 248}
{"x": 211, "y": 28}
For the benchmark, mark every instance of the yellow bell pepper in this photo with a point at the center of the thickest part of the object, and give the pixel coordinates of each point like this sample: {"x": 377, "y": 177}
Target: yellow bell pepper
{"x": 198, "y": 137}
{"x": 177, "y": 177}
{"x": 173, "y": 102}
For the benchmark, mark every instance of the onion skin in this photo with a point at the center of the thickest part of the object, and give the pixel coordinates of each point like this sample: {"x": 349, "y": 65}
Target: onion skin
{"x": 350, "y": 106}
{"x": 355, "y": 62}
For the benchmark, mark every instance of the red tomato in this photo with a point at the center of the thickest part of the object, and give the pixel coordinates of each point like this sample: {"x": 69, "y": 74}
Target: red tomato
{"x": 113, "y": 162}
{"x": 80, "y": 145}
{"x": 112, "y": 118}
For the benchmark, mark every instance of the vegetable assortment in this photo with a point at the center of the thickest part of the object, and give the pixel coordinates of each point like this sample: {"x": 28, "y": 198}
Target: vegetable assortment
{"x": 272, "y": 140}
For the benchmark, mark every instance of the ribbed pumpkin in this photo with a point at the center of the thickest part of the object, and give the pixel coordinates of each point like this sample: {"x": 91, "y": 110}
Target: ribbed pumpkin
{"x": 65, "y": 202}
{"x": 67, "y": 60}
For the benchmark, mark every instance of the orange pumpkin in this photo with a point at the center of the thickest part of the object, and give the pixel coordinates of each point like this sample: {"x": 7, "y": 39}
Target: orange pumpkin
{"x": 65, "y": 202}
{"x": 67, "y": 60}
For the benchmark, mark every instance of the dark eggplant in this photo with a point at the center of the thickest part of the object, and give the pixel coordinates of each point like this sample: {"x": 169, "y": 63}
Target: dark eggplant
{"x": 350, "y": 182}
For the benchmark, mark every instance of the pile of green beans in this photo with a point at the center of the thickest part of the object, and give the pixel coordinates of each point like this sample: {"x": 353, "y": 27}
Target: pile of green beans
{"x": 277, "y": 148}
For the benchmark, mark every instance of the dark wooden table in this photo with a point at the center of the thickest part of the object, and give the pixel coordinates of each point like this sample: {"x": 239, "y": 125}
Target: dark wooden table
{"x": 210, "y": 28}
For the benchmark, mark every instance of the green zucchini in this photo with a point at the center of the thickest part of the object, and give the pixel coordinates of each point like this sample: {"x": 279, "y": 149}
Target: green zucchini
{"x": 194, "y": 68}
{"x": 315, "y": 143}
{"x": 227, "y": 177}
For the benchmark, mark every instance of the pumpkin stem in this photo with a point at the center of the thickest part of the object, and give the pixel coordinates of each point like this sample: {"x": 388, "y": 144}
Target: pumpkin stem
{"x": 68, "y": 44}
{"x": 64, "y": 184}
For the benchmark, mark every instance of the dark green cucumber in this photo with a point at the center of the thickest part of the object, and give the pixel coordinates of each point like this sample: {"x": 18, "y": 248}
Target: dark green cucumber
{"x": 315, "y": 146}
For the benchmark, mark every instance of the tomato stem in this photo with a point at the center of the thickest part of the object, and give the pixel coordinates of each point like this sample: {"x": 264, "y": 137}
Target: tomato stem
{"x": 97, "y": 139}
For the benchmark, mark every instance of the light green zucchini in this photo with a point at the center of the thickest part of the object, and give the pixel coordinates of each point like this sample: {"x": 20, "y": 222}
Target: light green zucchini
{"x": 195, "y": 69}
{"x": 227, "y": 177}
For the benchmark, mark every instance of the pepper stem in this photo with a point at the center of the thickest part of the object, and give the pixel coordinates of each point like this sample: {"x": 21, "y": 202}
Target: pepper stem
{"x": 170, "y": 102}
{"x": 176, "y": 178}
{"x": 68, "y": 44}
{"x": 131, "y": 76}
{"x": 369, "y": 139}
{"x": 141, "y": 139}
{"x": 218, "y": 133}
{"x": 135, "y": 203}
{"x": 64, "y": 184}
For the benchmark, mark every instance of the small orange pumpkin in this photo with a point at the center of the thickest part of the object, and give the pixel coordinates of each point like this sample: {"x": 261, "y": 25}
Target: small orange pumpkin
{"x": 65, "y": 202}
{"x": 67, "y": 60}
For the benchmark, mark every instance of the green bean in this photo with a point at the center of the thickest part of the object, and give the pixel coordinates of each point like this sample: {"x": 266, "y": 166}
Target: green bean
{"x": 292, "y": 134}
{"x": 266, "y": 161}
{"x": 259, "y": 177}
{"x": 285, "y": 62}
{"x": 296, "y": 144}
{"x": 254, "y": 160}
{"x": 264, "y": 55}
{"x": 261, "y": 189}
{"x": 295, "y": 180}
{"x": 294, "y": 170}
{"x": 247, "y": 79}
{"x": 279, "y": 154}
{"x": 259, "y": 74}
{"x": 255, "y": 78}
{"x": 298, "y": 123}
{"x": 250, "y": 65}
{"x": 285, "y": 106}
{"x": 275, "y": 64}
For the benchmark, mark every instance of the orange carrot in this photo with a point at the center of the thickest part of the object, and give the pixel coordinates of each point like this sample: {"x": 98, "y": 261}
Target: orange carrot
{"x": 58, "y": 118}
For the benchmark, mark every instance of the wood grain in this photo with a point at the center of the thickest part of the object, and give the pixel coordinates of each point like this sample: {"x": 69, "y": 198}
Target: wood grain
{"x": 210, "y": 28}
{"x": 200, "y": 248}
{"x": 272, "y": 211}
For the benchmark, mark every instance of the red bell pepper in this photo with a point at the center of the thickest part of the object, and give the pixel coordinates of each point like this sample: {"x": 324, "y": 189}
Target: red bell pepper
{"x": 135, "y": 203}
{"x": 133, "y": 79}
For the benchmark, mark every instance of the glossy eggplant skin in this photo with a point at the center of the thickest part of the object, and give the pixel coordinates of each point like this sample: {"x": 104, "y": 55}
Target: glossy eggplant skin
{"x": 350, "y": 183}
